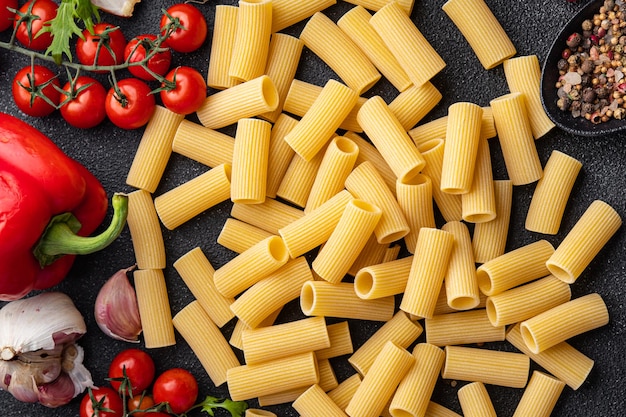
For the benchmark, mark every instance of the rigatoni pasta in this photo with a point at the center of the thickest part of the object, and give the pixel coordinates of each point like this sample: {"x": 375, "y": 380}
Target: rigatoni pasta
{"x": 383, "y": 279}
{"x": 299, "y": 178}
{"x": 414, "y": 103}
{"x": 289, "y": 12}
{"x": 224, "y": 33}
{"x": 207, "y": 146}
{"x": 154, "y": 308}
{"x": 239, "y": 236}
{"x": 145, "y": 231}
{"x": 368, "y": 152}
{"x": 479, "y": 203}
{"x": 415, "y": 197}
{"x": 475, "y": 400}
{"x": 271, "y": 215}
{"x": 314, "y": 401}
{"x": 460, "y": 280}
{"x": 540, "y": 396}
{"x": 248, "y": 180}
{"x": 462, "y": 328}
{"x": 407, "y": 5}
{"x": 252, "y": 38}
{"x": 340, "y": 341}
{"x": 489, "y": 238}
{"x": 280, "y": 153}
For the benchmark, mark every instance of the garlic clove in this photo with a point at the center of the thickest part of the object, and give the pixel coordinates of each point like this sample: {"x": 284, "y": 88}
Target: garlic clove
{"x": 116, "y": 310}
{"x": 56, "y": 393}
{"x": 123, "y": 8}
{"x": 72, "y": 362}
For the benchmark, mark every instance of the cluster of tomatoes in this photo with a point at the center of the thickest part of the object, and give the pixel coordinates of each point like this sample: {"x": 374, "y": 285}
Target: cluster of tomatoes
{"x": 129, "y": 103}
{"x": 131, "y": 374}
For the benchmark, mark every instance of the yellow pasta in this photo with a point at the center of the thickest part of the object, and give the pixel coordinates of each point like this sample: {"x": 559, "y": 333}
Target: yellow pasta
{"x": 562, "y": 360}
{"x": 355, "y": 23}
{"x": 252, "y": 38}
{"x": 207, "y": 146}
{"x": 462, "y": 328}
{"x": 270, "y": 215}
{"x": 414, "y": 103}
{"x": 257, "y": 412}
{"x": 289, "y": 12}
{"x": 299, "y": 178}
{"x": 197, "y": 273}
{"x": 540, "y": 396}
{"x": 407, "y": 5}
{"x": 400, "y": 329}
{"x": 345, "y": 390}
{"x": 249, "y": 381}
{"x": 282, "y": 63}
{"x": 209, "y": 345}
{"x": 495, "y": 367}
{"x": 390, "y": 138}
{"x": 239, "y": 236}
{"x": 236, "y": 336}
{"x": 516, "y": 139}
{"x": 193, "y": 197}
{"x": 271, "y": 293}
{"x": 340, "y": 341}
{"x": 414, "y": 392}
{"x": 321, "y": 121}
{"x": 314, "y": 228}
{"x": 412, "y": 50}
{"x": 365, "y": 183}
{"x": 314, "y": 402}
{"x": 383, "y": 279}
{"x": 145, "y": 231}
{"x": 326, "y": 40}
{"x": 430, "y": 263}
{"x": 523, "y": 74}
{"x": 489, "y": 238}
{"x": 251, "y": 266}
{"x": 337, "y": 163}
{"x": 154, "y": 308}
{"x": 564, "y": 321}
{"x": 437, "y": 128}
{"x": 154, "y": 150}
{"x": 475, "y": 400}
{"x": 552, "y": 193}
{"x": 461, "y": 147}
{"x": 280, "y": 154}
{"x": 371, "y": 254}
{"x": 348, "y": 238}
{"x": 526, "y": 301}
{"x": 437, "y": 410}
{"x": 514, "y": 268}
{"x": 321, "y": 298}
{"x": 479, "y": 203}
{"x": 248, "y": 99}
{"x": 583, "y": 242}
{"x": 490, "y": 51}
{"x": 380, "y": 382}
{"x": 224, "y": 32}
{"x": 368, "y": 152}
{"x": 250, "y": 160}
{"x": 391, "y": 253}
{"x": 460, "y": 281}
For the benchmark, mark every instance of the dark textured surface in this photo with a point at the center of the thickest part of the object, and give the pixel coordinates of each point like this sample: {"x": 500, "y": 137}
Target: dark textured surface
{"x": 531, "y": 25}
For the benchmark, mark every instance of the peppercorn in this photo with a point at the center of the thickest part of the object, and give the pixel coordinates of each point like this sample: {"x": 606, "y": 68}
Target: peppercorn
{"x": 563, "y": 103}
{"x": 573, "y": 40}
{"x": 587, "y": 25}
{"x": 587, "y": 108}
{"x": 587, "y": 66}
{"x": 589, "y": 95}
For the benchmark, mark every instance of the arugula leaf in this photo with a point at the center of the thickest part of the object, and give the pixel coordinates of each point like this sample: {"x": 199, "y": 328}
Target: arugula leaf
{"x": 236, "y": 408}
{"x": 64, "y": 26}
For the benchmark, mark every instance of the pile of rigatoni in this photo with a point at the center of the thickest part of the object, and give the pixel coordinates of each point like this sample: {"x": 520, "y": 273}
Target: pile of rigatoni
{"x": 354, "y": 199}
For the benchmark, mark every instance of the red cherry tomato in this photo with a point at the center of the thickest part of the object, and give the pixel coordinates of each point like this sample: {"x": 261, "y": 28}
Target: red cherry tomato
{"x": 132, "y": 106}
{"x": 177, "y": 387}
{"x": 83, "y": 105}
{"x": 104, "y": 398}
{"x": 188, "y": 93}
{"x": 136, "y": 51}
{"x": 104, "y": 34}
{"x": 24, "y": 92}
{"x": 45, "y": 10}
{"x": 140, "y": 402}
{"x": 193, "y": 32}
{"x": 138, "y": 366}
{"x": 7, "y": 17}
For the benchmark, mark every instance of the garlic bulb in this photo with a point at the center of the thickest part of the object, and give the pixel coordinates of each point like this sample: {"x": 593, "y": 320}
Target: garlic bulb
{"x": 40, "y": 361}
{"x": 116, "y": 309}
{"x": 123, "y": 8}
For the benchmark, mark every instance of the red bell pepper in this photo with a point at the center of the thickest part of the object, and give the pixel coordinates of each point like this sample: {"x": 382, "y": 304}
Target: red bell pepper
{"x": 49, "y": 205}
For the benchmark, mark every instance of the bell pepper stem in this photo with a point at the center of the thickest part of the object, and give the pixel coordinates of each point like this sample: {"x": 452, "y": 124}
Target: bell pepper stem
{"x": 60, "y": 236}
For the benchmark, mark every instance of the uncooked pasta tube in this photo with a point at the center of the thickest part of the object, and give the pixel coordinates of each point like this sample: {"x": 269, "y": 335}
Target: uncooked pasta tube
{"x": 340, "y": 341}
{"x": 252, "y": 39}
{"x": 479, "y": 203}
{"x": 345, "y": 391}
{"x": 552, "y": 193}
{"x": 197, "y": 273}
{"x": 256, "y": 412}
{"x": 154, "y": 308}
{"x": 250, "y": 161}
{"x": 207, "y": 146}
{"x": 462, "y": 328}
{"x": 299, "y": 178}
{"x": 415, "y": 197}
{"x": 540, "y": 396}
{"x": 193, "y": 197}
{"x": 489, "y": 238}
{"x": 368, "y": 152}
{"x": 270, "y": 215}
{"x": 314, "y": 402}
{"x": 437, "y": 410}
{"x": 407, "y": 5}
{"x": 209, "y": 345}
{"x": 412, "y": 50}
{"x": 491, "y": 50}
{"x": 371, "y": 254}
{"x": 526, "y": 301}
{"x": 383, "y": 279}
{"x": 414, "y": 103}
{"x": 145, "y": 231}
{"x": 437, "y": 128}
{"x": 326, "y": 40}
{"x": 460, "y": 281}
{"x": 289, "y": 12}
{"x": 280, "y": 154}
{"x": 428, "y": 270}
{"x": 236, "y": 336}
{"x": 239, "y": 236}
{"x": 475, "y": 400}
{"x": 494, "y": 367}
{"x": 224, "y": 32}
{"x": 380, "y": 382}
{"x": 523, "y": 74}
{"x": 248, "y": 99}
{"x": 564, "y": 321}
{"x": 583, "y": 242}
{"x": 514, "y": 268}
{"x": 154, "y": 150}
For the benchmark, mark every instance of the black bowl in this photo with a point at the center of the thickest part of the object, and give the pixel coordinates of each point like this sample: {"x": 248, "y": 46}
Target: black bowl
{"x": 550, "y": 74}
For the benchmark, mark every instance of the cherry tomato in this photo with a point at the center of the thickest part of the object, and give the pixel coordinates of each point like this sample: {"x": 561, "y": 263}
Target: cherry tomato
{"x": 138, "y": 366}
{"x": 140, "y": 402}
{"x": 104, "y": 398}
{"x": 136, "y": 51}
{"x": 45, "y": 10}
{"x": 193, "y": 32}
{"x": 24, "y": 94}
{"x": 105, "y": 36}
{"x": 188, "y": 93}
{"x": 7, "y": 17}
{"x": 83, "y": 105}
{"x": 133, "y": 106}
{"x": 177, "y": 387}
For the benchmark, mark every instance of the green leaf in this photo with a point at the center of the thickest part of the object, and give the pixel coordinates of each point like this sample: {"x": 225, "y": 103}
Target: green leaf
{"x": 236, "y": 408}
